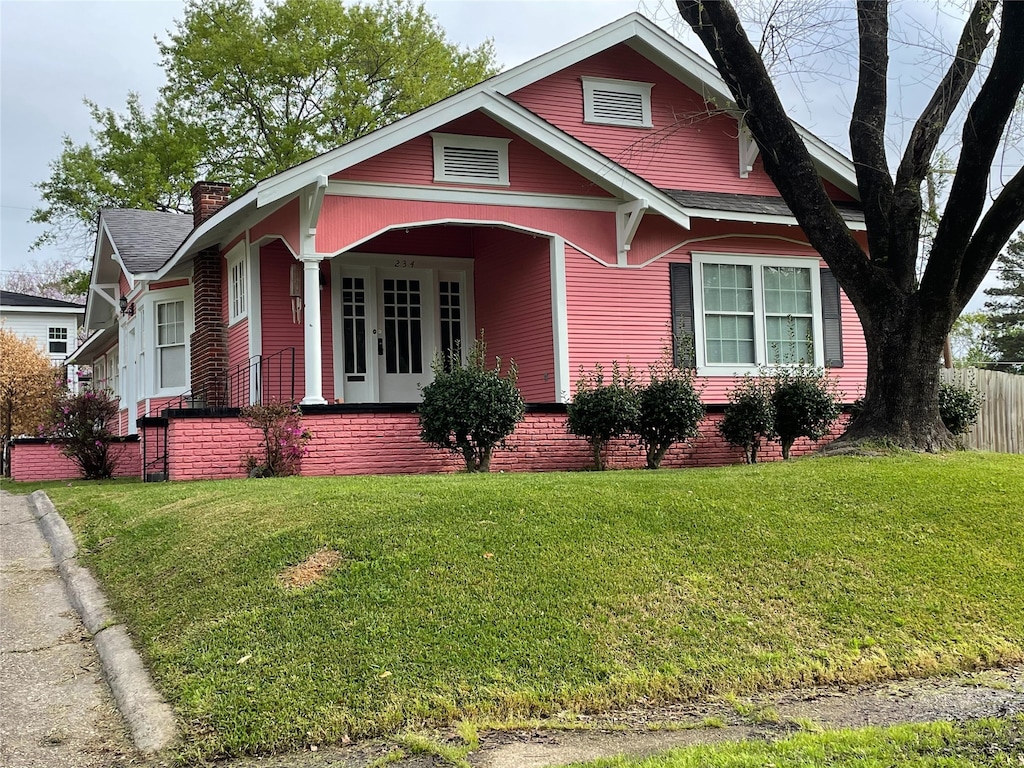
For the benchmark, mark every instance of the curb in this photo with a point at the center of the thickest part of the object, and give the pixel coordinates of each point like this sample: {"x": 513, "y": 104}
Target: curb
{"x": 149, "y": 718}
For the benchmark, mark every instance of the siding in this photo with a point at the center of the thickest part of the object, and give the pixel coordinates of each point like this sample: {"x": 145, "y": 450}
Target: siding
{"x": 284, "y": 223}
{"x": 530, "y": 169}
{"x": 35, "y": 327}
{"x": 689, "y": 147}
{"x": 512, "y": 275}
{"x": 346, "y": 221}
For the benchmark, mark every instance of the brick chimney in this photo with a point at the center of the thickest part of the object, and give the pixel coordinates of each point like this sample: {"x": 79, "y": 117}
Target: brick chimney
{"x": 208, "y": 197}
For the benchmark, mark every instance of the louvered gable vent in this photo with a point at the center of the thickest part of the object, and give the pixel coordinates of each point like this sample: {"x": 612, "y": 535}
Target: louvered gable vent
{"x": 616, "y": 102}
{"x": 470, "y": 159}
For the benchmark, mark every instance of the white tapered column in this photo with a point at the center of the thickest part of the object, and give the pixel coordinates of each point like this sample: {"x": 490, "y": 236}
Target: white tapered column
{"x": 311, "y": 335}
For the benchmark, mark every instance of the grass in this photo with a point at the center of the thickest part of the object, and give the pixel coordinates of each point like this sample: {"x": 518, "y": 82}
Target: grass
{"x": 510, "y": 597}
{"x": 976, "y": 744}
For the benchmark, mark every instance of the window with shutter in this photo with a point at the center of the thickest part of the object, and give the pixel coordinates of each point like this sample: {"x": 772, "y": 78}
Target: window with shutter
{"x": 470, "y": 159}
{"x": 616, "y": 102}
{"x": 734, "y": 314}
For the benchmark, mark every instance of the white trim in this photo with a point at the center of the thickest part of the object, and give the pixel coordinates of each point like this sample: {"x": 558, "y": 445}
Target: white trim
{"x": 238, "y": 301}
{"x": 627, "y": 221}
{"x": 444, "y": 141}
{"x": 9, "y": 310}
{"x": 417, "y": 193}
{"x": 560, "y": 320}
{"x": 757, "y": 263}
{"x": 255, "y": 314}
{"x": 748, "y": 148}
{"x": 591, "y": 85}
{"x": 313, "y": 355}
{"x": 150, "y": 383}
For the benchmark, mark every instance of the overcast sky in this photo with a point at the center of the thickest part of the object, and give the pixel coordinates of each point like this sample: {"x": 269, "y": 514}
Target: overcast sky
{"x": 54, "y": 54}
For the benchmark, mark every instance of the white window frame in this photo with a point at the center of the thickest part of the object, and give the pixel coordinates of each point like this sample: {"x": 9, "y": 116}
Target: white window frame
{"x": 757, "y": 263}
{"x": 114, "y": 373}
{"x": 153, "y": 333}
{"x": 51, "y": 339}
{"x": 442, "y": 140}
{"x": 238, "y": 286}
{"x": 591, "y": 84}
{"x": 99, "y": 374}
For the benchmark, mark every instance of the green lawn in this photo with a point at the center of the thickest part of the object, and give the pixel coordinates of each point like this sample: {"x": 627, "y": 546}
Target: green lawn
{"x": 978, "y": 744}
{"x": 515, "y": 595}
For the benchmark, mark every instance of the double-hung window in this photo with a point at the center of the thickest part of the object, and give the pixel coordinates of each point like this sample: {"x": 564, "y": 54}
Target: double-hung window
{"x": 753, "y": 311}
{"x": 58, "y": 340}
{"x": 170, "y": 343}
{"x": 237, "y": 294}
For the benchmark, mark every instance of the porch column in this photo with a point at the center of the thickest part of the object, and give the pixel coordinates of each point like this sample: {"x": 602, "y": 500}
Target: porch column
{"x": 311, "y": 336}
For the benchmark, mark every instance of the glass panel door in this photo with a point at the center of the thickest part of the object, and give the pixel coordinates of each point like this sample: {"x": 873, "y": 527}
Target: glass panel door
{"x": 405, "y": 337}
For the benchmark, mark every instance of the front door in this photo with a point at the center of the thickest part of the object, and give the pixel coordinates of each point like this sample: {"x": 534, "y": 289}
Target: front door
{"x": 405, "y": 333}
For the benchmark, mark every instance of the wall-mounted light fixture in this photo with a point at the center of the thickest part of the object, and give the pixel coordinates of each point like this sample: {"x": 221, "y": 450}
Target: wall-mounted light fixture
{"x": 123, "y": 304}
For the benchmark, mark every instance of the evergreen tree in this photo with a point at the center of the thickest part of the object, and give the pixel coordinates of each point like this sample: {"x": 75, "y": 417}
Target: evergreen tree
{"x": 1006, "y": 310}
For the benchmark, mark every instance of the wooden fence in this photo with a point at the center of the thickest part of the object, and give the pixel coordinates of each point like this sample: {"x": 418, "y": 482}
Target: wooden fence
{"x": 1000, "y": 424}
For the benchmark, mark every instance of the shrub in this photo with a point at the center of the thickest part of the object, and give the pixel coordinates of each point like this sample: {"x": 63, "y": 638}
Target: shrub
{"x": 668, "y": 411}
{"x": 601, "y": 412}
{"x": 470, "y": 409}
{"x": 82, "y": 424}
{"x": 284, "y": 439}
{"x": 806, "y": 404}
{"x": 749, "y": 417}
{"x": 959, "y": 407}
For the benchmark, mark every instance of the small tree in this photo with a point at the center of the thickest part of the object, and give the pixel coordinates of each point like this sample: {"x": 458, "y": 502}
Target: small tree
{"x": 284, "y": 439}
{"x": 28, "y": 385}
{"x": 749, "y": 417}
{"x": 668, "y": 411}
{"x": 806, "y": 404}
{"x": 601, "y": 412}
{"x": 959, "y": 407}
{"x": 469, "y": 409}
{"x": 82, "y": 424}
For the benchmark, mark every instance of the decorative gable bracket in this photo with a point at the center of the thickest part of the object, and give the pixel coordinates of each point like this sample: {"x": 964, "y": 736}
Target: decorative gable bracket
{"x": 627, "y": 221}
{"x": 106, "y": 291}
{"x": 312, "y": 200}
{"x": 748, "y": 150}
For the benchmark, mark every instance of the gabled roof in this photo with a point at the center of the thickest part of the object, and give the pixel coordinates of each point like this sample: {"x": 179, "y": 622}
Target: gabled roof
{"x": 12, "y": 299}
{"x": 145, "y": 240}
{"x": 490, "y": 97}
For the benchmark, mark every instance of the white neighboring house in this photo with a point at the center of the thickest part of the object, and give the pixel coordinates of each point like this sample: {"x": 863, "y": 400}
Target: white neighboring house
{"x": 51, "y": 323}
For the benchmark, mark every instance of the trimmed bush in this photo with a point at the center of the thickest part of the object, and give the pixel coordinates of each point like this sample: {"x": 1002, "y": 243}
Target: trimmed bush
{"x": 601, "y": 412}
{"x": 959, "y": 407}
{"x": 806, "y": 404}
{"x": 668, "y": 411}
{"x": 749, "y": 417}
{"x": 469, "y": 409}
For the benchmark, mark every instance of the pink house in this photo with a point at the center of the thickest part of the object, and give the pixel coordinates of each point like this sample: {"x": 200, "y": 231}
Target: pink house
{"x": 601, "y": 202}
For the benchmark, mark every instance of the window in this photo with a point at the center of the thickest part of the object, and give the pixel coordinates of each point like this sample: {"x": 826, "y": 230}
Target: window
{"x": 114, "y": 373}
{"x": 58, "y": 339}
{"x": 236, "y": 288}
{"x": 353, "y": 310}
{"x": 170, "y": 343}
{"x": 616, "y": 102}
{"x": 99, "y": 375}
{"x": 450, "y": 310}
{"x": 748, "y": 312}
{"x": 470, "y": 159}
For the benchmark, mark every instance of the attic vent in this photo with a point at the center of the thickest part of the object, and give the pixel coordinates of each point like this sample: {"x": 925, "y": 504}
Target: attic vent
{"x": 470, "y": 159}
{"x": 616, "y": 102}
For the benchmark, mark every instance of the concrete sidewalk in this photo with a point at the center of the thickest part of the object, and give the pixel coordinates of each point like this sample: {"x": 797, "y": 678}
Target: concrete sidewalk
{"x": 56, "y": 709}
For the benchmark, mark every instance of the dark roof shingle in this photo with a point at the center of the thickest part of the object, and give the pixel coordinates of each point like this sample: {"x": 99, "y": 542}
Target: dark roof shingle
{"x": 762, "y": 204}
{"x": 146, "y": 239}
{"x": 12, "y": 299}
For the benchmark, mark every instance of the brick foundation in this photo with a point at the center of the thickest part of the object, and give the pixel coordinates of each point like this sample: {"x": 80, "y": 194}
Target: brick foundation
{"x": 36, "y": 460}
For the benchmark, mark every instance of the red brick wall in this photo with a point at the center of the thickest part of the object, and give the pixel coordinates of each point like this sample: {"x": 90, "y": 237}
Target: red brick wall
{"x": 31, "y": 462}
{"x": 209, "y": 341}
{"x": 365, "y": 443}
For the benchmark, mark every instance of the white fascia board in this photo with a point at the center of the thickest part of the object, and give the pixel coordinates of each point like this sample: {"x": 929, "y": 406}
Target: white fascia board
{"x": 583, "y": 159}
{"x": 102, "y": 233}
{"x": 9, "y": 310}
{"x": 759, "y": 218}
{"x": 96, "y": 340}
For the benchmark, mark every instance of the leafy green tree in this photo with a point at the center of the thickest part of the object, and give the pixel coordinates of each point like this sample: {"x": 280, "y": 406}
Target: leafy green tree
{"x": 1006, "y": 310}
{"x": 252, "y": 89}
{"x": 905, "y": 312}
{"x": 969, "y": 339}
{"x": 470, "y": 409}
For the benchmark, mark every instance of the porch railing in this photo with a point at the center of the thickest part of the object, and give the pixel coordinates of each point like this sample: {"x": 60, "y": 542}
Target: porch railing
{"x": 262, "y": 379}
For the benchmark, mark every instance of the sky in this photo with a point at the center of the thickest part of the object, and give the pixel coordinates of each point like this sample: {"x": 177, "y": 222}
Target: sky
{"x": 55, "y": 54}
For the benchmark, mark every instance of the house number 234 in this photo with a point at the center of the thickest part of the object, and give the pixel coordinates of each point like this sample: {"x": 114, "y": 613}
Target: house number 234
{"x": 405, "y": 263}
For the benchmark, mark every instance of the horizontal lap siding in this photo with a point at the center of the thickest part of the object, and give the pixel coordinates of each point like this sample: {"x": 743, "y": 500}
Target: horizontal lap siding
{"x": 512, "y": 273}
{"x": 279, "y": 331}
{"x": 530, "y": 169}
{"x": 359, "y": 444}
{"x": 284, "y": 222}
{"x": 348, "y": 220}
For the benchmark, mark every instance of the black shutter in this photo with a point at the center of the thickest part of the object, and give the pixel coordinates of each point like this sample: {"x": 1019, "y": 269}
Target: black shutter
{"x": 832, "y": 318}
{"x": 683, "y": 340}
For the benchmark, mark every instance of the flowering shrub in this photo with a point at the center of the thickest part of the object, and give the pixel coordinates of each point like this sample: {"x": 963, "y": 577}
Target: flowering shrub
{"x": 284, "y": 439}
{"x": 82, "y": 424}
